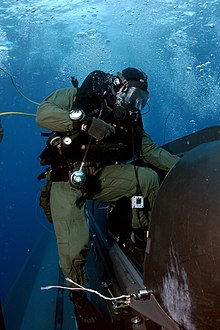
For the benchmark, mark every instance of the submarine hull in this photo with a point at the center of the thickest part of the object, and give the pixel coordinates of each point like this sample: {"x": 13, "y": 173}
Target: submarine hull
{"x": 182, "y": 260}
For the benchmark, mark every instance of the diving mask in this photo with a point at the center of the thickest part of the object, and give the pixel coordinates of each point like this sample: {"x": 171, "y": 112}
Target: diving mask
{"x": 133, "y": 98}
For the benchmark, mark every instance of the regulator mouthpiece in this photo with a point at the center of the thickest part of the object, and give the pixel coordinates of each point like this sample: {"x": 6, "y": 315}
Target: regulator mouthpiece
{"x": 77, "y": 179}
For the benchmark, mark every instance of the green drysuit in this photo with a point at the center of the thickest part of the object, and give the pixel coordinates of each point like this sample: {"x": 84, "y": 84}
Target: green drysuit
{"x": 116, "y": 181}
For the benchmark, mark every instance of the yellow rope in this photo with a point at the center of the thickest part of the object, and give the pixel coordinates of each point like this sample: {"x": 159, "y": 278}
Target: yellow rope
{"x": 17, "y": 89}
{"x": 17, "y": 113}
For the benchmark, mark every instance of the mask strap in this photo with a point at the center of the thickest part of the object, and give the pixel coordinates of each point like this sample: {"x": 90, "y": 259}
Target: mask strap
{"x": 118, "y": 81}
{"x": 122, "y": 78}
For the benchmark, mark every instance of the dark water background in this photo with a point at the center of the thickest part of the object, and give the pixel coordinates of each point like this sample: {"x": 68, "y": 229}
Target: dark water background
{"x": 43, "y": 43}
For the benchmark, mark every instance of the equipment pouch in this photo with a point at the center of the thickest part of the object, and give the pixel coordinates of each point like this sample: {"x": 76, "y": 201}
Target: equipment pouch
{"x": 45, "y": 200}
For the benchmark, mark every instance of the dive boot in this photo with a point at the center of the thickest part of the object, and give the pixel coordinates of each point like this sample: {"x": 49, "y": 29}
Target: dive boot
{"x": 139, "y": 237}
{"x": 87, "y": 316}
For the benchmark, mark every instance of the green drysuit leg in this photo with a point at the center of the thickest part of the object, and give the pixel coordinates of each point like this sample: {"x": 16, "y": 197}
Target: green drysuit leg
{"x": 120, "y": 181}
{"x": 69, "y": 221}
{"x": 71, "y": 231}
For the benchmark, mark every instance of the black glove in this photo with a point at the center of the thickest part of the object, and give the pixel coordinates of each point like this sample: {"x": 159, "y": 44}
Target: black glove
{"x": 99, "y": 129}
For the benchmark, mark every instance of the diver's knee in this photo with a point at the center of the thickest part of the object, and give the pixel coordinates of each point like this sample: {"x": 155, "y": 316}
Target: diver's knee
{"x": 148, "y": 177}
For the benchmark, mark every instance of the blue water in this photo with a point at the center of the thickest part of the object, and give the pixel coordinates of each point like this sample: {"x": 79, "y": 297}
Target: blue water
{"x": 43, "y": 43}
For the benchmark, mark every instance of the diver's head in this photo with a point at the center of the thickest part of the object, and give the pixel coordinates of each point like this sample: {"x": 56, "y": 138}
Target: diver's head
{"x": 125, "y": 91}
{"x": 130, "y": 89}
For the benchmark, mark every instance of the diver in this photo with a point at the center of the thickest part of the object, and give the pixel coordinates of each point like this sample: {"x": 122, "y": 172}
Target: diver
{"x": 1, "y": 131}
{"x": 97, "y": 137}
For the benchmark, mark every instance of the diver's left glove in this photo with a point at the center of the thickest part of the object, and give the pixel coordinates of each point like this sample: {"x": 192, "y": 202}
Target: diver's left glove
{"x": 99, "y": 129}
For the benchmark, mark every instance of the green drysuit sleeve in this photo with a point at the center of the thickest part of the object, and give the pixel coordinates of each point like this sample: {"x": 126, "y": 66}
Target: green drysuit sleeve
{"x": 53, "y": 112}
{"x": 157, "y": 156}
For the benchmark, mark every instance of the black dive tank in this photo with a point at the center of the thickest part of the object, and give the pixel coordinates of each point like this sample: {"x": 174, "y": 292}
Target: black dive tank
{"x": 182, "y": 263}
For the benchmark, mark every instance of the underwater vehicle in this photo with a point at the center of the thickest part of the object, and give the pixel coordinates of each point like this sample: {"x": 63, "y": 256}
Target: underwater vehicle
{"x": 178, "y": 284}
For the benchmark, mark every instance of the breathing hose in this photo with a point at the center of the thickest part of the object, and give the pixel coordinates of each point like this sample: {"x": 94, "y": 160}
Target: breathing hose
{"x": 25, "y": 97}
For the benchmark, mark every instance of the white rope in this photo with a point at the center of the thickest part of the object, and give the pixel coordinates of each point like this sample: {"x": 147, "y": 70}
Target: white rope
{"x": 80, "y": 287}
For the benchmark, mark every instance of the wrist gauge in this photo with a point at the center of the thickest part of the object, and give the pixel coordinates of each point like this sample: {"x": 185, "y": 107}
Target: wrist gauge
{"x": 76, "y": 115}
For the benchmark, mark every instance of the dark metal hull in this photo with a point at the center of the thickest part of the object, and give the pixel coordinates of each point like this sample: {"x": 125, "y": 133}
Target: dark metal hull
{"x": 182, "y": 264}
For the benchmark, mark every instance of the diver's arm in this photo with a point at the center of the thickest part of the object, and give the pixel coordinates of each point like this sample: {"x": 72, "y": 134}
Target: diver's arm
{"x": 53, "y": 112}
{"x": 157, "y": 156}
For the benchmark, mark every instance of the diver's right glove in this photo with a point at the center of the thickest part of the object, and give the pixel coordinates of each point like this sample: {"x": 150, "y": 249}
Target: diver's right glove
{"x": 99, "y": 129}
